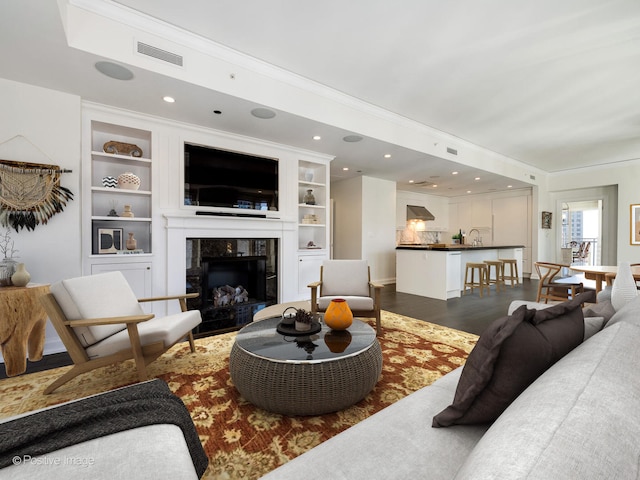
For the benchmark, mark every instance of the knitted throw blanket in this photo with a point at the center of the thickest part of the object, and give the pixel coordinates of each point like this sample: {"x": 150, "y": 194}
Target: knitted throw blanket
{"x": 148, "y": 403}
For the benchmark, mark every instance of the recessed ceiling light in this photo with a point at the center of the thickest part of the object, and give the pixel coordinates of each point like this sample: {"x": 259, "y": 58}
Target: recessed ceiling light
{"x": 387, "y": 155}
{"x": 468, "y": 191}
{"x": 352, "y": 138}
{"x": 477, "y": 178}
{"x": 454, "y": 173}
{"x": 509, "y": 186}
{"x": 434, "y": 185}
{"x": 113, "y": 70}
{"x": 169, "y": 99}
{"x": 317, "y": 137}
{"x": 263, "y": 113}
{"x": 345, "y": 169}
{"x": 410, "y": 181}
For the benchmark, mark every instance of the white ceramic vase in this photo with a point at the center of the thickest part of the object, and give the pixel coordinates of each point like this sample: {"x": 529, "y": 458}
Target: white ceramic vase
{"x": 624, "y": 287}
{"x": 128, "y": 181}
{"x": 21, "y": 277}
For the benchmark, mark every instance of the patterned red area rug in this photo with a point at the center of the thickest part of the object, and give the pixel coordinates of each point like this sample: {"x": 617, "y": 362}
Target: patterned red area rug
{"x": 243, "y": 441}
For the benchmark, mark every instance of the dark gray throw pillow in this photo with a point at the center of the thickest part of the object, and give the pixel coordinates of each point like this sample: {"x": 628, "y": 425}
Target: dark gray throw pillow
{"x": 509, "y": 356}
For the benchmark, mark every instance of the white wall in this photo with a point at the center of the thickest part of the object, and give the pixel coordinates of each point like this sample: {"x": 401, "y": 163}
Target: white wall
{"x": 347, "y": 221}
{"x": 625, "y": 175}
{"x": 364, "y": 224}
{"x": 46, "y": 127}
{"x": 378, "y": 222}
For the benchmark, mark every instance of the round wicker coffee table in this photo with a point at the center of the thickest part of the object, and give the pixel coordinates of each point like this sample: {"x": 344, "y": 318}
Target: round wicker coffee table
{"x": 305, "y": 374}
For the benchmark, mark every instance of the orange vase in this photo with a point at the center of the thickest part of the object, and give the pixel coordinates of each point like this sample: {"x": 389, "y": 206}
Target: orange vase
{"x": 338, "y": 315}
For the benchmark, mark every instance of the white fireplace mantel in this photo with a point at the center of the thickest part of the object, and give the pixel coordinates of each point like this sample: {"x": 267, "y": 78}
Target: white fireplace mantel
{"x": 179, "y": 227}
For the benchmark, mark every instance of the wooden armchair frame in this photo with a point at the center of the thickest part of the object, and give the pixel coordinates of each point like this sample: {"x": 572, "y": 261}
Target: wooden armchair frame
{"x": 374, "y": 292}
{"x": 142, "y": 354}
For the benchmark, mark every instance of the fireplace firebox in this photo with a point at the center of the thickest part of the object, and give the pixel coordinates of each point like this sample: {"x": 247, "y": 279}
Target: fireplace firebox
{"x": 234, "y": 277}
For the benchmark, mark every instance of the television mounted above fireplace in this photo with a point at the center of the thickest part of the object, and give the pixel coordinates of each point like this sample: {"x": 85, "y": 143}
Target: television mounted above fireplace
{"x": 229, "y": 180}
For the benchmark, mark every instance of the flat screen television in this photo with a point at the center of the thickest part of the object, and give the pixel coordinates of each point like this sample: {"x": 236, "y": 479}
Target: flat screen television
{"x": 221, "y": 178}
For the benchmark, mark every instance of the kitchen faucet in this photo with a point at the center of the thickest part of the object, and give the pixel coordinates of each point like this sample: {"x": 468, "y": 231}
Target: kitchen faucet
{"x": 477, "y": 242}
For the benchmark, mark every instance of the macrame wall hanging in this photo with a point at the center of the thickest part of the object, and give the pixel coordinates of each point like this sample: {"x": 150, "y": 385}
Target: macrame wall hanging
{"x": 30, "y": 194}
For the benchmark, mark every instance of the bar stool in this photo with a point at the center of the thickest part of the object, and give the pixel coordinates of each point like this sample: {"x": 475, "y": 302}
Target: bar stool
{"x": 512, "y": 263}
{"x": 499, "y": 277}
{"x": 482, "y": 277}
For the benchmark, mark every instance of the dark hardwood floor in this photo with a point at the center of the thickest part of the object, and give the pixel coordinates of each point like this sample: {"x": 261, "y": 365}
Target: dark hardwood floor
{"x": 470, "y": 313}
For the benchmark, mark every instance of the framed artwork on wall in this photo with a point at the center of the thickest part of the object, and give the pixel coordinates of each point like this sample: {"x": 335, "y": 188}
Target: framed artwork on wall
{"x": 634, "y": 226}
{"x": 546, "y": 219}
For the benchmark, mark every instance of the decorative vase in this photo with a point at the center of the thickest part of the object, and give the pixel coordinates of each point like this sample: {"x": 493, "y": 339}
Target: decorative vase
{"x": 128, "y": 181}
{"x": 7, "y": 269}
{"x": 308, "y": 198}
{"x": 127, "y": 212}
{"x": 624, "y": 287}
{"x": 21, "y": 277}
{"x": 132, "y": 243}
{"x": 302, "y": 327}
{"x": 109, "y": 182}
{"x": 338, "y": 315}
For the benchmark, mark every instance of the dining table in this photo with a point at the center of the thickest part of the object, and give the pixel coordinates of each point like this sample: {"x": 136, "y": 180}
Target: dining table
{"x": 600, "y": 273}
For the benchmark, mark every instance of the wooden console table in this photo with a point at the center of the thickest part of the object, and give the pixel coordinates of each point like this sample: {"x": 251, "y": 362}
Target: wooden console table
{"x": 22, "y": 326}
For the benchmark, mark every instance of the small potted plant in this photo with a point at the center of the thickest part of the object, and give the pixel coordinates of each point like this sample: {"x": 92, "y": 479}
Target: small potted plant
{"x": 457, "y": 238}
{"x": 304, "y": 320}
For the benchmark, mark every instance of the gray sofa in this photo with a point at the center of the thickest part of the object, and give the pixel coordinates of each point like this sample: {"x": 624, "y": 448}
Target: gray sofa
{"x": 580, "y": 419}
{"x": 142, "y": 431}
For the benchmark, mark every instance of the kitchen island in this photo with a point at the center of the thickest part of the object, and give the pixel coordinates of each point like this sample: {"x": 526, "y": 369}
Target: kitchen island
{"x": 437, "y": 271}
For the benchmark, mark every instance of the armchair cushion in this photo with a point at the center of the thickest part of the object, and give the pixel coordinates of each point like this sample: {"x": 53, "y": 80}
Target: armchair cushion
{"x": 167, "y": 330}
{"x": 345, "y": 277}
{"x": 96, "y": 296}
{"x": 355, "y": 303}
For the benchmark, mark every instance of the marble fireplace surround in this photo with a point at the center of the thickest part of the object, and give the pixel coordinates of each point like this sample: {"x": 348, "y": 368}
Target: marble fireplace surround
{"x": 181, "y": 227}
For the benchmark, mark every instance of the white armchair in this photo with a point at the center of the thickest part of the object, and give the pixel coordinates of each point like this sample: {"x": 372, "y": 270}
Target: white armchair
{"x": 351, "y": 280}
{"x": 100, "y": 322}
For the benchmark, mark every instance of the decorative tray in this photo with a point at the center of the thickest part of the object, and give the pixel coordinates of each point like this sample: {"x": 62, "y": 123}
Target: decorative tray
{"x": 291, "y": 330}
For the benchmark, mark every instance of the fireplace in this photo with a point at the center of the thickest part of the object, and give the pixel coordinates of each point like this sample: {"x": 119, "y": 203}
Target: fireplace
{"x": 234, "y": 277}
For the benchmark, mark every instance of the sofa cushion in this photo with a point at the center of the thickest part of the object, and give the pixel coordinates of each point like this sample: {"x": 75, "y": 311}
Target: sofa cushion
{"x": 593, "y": 322}
{"x": 393, "y": 443}
{"x": 578, "y": 420}
{"x": 603, "y": 308}
{"x": 509, "y": 356}
{"x": 593, "y": 325}
{"x": 628, "y": 313}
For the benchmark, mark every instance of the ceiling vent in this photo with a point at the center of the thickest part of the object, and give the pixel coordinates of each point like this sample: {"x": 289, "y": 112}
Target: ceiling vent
{"x": 160, "y": 54}
{"x": 452, "y": 151}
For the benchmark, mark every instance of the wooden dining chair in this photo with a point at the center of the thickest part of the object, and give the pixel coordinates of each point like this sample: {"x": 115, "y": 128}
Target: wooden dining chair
{"x": 550, "y": 287}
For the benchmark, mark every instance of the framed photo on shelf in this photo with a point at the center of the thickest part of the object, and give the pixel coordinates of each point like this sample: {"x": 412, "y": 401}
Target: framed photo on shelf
{"x": 546, "y": 219}
{"x": 109, "y": 240}
{"x": 634, "y": 226}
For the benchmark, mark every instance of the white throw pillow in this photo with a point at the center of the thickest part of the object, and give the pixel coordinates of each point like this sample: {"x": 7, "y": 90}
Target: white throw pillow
{"x": 624, "y": 287}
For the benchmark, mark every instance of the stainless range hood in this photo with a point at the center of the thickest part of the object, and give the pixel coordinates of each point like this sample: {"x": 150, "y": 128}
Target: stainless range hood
{"x": 415, "y": 212}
